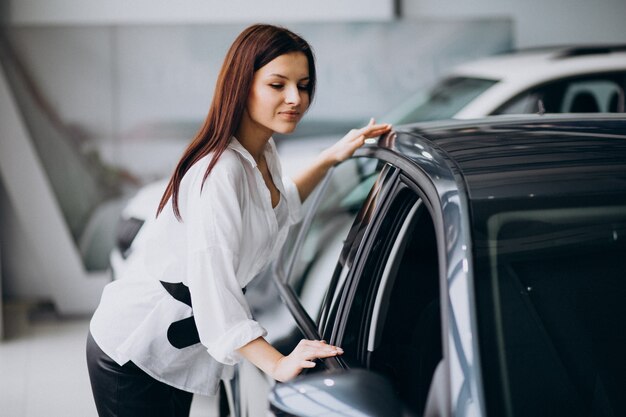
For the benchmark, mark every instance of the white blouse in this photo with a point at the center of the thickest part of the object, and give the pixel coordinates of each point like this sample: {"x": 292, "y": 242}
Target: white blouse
{"x": 228, "y": 234}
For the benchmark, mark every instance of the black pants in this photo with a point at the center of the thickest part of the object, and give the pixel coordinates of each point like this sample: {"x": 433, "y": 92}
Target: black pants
{"x": 127, "y": 391}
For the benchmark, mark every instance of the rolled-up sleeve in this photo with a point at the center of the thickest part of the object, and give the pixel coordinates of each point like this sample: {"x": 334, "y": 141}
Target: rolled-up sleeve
{"x": 293, "y": 200}
{"x": 214, "y": 229}
{"x": 221, "y": 312}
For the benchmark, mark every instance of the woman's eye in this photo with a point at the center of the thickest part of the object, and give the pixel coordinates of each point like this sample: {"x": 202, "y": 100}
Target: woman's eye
{"x": 276, "y": 86}
{"x": 303, "y": 87}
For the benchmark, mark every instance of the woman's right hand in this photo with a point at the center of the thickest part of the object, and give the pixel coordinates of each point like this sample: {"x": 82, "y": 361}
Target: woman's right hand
{"x": 311, "y": 176}
{"x": 302, "y": 357}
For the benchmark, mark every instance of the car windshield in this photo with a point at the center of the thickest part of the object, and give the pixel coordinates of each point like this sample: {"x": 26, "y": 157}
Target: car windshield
{"x": 554, "y": 286}
{"x": 442, "y": 101}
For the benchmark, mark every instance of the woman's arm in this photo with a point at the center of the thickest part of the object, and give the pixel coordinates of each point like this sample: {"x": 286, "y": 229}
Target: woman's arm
{"x": 283, "y": 368}
{"x": 259, "y": 351}
{"x": 308, "y": 179}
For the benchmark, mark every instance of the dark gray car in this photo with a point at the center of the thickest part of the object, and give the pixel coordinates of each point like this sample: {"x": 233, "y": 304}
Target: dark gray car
{"x": 470, "y": 268}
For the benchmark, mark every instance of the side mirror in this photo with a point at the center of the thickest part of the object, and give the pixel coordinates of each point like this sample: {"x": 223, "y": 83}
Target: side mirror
{"x": 354, "y": 392}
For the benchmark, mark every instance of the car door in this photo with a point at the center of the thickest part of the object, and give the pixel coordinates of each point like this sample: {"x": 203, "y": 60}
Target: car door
{"x": 387, "y": 315}
{"x": 400, "y": 299}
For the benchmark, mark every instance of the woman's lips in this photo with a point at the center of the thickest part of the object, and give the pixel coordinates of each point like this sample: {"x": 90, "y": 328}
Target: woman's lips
{"x": 290, "y": 115}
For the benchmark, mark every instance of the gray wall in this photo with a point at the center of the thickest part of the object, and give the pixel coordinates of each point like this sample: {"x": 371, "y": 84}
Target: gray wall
{"x": 71, "y": 12}
{"x": 536, "y": 22}
{"x": 146, "y": 88}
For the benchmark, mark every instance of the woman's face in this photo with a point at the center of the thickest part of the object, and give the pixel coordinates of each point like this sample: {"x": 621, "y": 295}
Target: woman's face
{"x": 279, "y": 95}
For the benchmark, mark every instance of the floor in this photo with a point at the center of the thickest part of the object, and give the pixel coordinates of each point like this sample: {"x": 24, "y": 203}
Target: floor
{"x": 43, "y": 370}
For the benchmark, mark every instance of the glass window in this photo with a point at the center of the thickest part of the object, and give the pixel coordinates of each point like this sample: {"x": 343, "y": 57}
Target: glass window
{"x": 527, "y": 103}
{"x": 443, "y": 101}
{"x": 553, "y": 338}
{"x": 341, "y": 198}
{"x": 394, "y": 325}
{"x": 589, "y": 94}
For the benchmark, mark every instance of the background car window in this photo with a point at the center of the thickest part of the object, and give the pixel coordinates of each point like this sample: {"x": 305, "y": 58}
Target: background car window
{"x": 527, "y": 103}
{"x": 443, "y": 101}
{"x": 591, "y": 94}
{"x": 341, "y": 199}
{"x": 394, "y": 325}
{"x": 555, "y": 292}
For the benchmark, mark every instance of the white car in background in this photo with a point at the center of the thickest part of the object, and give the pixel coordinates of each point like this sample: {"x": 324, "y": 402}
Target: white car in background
{"x": 554, "y": 80}
{"x": 577, "y": 79}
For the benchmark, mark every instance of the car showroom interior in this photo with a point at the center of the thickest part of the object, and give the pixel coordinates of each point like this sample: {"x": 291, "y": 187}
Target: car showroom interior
{"x": 448, "y": 237}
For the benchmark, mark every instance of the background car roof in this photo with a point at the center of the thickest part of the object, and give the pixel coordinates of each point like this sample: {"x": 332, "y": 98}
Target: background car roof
{"x": 527, "y": 156}
{"x": 546, "y": 63}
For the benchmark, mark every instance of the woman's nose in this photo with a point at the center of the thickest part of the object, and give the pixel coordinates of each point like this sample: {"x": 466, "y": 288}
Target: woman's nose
{"x": 292, "y": 95}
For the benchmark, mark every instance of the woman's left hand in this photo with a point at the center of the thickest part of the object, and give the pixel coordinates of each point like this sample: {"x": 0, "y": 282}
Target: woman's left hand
{"x": 353, "y": 140}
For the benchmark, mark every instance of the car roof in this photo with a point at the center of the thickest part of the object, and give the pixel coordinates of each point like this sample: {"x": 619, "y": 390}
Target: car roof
{"x": 525, "y": 156}
{"x": 546, "y": 63}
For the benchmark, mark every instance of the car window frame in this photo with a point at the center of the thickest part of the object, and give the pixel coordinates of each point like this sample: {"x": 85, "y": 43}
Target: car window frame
{"x": 307, "y": 324}
{"x": 423, "y": 182}
{"x": 350, "y": 251}
{"x": 413, "y": 176}
{"x": 412, "y": 182}
{"x": 399, "y": 188}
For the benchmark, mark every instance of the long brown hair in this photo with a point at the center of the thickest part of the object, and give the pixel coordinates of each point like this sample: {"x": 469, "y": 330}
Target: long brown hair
{"x": 255, "y": 47}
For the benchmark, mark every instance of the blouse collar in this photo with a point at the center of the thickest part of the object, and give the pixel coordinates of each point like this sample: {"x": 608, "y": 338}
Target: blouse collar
{"x": 238, "y": 147}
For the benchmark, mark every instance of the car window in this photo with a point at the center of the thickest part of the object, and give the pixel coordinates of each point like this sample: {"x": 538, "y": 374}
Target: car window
{"x": 316, "y": 257}
{"x": 394, "y": 325}
{"x": 442, "y": 101}
{"x": 553, "y": 305}
{"x": 589, "y": 94}
{"x": 527, "y": 103}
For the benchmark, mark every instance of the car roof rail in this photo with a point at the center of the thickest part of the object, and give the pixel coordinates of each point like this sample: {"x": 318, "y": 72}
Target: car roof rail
{"x": 567, "y": 51}
{"x": 589, "y": 50}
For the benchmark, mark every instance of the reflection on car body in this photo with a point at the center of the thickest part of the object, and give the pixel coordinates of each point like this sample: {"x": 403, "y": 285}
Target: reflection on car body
{"x": 476, "y": 266}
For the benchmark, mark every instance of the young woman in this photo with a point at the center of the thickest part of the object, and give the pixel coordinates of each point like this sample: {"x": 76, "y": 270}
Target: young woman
{"x": 177, "y": 320}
